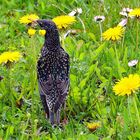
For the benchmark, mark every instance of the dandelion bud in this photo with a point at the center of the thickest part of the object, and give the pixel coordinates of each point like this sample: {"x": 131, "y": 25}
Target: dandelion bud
{"x": 42, "y": 32}
{"x": 123, "y": 22}
{"x": 31, "y": 32}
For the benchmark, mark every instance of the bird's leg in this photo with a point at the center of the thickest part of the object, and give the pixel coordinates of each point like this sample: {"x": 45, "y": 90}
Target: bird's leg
{"x": 64, "y": 109}
{"x": 58, "y": 116}
{"x": 65, "y": 121}
{"x": 51, "y": 116}
{"x": 45, "y": 106}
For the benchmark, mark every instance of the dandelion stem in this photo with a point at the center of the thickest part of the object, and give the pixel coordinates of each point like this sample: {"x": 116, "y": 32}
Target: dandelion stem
{"x": 118, "y": 63}
{"x": 100, "y": 25}
{"x": 63, "y": 41}
{"x": 128, "y": 101}
{"x": 32, "y": 54}
{"x": 116, "y": 127}
{"x": 136, "y": 108}
{"x": 23, "y": 130}
{"x": 123, "y": 49}
{"x": 9, "y": 86}
{"x": 137, "y": 35}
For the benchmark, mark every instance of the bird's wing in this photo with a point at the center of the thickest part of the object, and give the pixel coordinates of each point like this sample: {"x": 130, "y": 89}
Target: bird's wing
{"x": 55, "y": 90}
{"x": 62, "y": 88}
{"x": 43, "y": 99}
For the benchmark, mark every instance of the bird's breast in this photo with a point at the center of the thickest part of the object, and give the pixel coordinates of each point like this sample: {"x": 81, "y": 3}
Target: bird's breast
{"x": 52, "y": 64}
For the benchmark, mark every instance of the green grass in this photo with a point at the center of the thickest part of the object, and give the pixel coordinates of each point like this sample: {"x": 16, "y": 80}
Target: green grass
{"x": 94, "y": 70}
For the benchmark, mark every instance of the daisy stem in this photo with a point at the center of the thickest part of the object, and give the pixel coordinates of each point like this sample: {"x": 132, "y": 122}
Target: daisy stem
{"x": 137, "y": 35}
{"x": 82, "y": 24}
{"x": 100, "y": 25}
{"x": 118, "y": 63}
{"x": 136, "y": 108}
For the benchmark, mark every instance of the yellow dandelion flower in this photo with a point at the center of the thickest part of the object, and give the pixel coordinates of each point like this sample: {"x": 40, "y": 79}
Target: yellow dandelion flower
{"x": 135, "y": 12}
{"x": 63, "y": 21}
{"x": 93, "y": 126}
{"x": 113, "y": 33}
{"x": 31, "y": 31}
{"x": 28, "y": 18}
{"x": 9, "y": 56}
{"x": 42, "y": 32}
{"x": 127, "y": 85}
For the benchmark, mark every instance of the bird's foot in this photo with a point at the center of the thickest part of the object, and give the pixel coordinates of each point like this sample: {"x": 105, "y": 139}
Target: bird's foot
{"x": 54, "y": 126}
{"x": 65, "y": 121}
{"x": 47, "y": 117}
{"x": 58, "y": 127}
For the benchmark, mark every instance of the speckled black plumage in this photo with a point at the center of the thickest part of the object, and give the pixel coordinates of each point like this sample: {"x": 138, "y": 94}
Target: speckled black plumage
{"x": 53, "y": 70}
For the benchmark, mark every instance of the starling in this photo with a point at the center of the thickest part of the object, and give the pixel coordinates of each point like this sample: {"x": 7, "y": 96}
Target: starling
{"x": 53, "y": 72}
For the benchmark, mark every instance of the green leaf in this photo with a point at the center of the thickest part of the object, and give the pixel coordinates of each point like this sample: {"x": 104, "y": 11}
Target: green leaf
{"x": 72, "y": 77}
{"x": 98, "y": 72}
{"x": 98, "y": 51}
{"x": 83, "y": 83}
{"x": 91, "y": 70}
{"x": 92, "y": 36}
{"x": 82, "y": 55}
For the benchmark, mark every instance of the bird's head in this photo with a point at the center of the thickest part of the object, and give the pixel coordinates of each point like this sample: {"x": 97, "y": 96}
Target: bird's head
{"x": 52, "y": 35}
{"x": 47, "y": 25}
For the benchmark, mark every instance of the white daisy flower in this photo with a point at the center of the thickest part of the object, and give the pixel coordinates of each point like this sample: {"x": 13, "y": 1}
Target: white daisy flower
{"x": 75, "y": 11}
{"x": 133, "y": 63}
{"x": 125, "y": 11}
{"x": 99, "y": 18}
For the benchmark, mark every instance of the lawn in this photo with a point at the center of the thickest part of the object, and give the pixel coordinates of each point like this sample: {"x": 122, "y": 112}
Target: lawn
{"x": 96, "y": 107}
